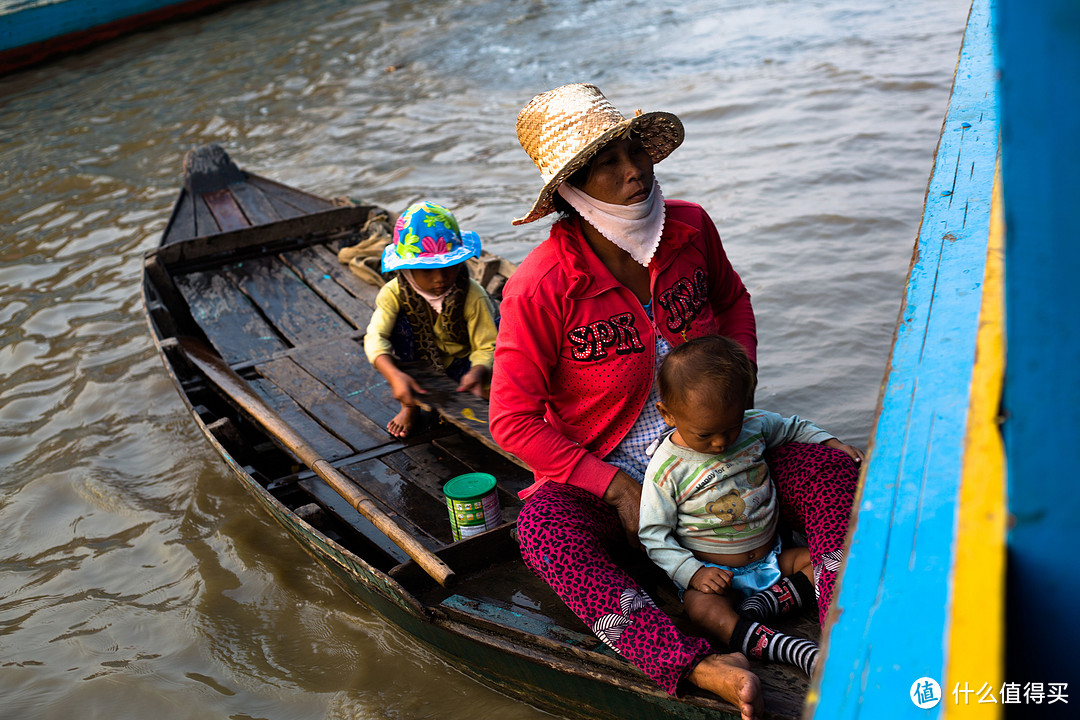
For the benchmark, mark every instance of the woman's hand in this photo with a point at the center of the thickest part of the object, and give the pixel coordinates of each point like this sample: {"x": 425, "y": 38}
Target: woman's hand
{"x": 711, "y": 580}
{"x": 624, "y": 494}
{"x": 852, "y": 452}
{"x": 475, "y": 381}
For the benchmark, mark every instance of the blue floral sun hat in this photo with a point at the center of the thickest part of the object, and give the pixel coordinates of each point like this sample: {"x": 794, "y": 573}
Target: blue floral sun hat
{"x": 427, "y": 236}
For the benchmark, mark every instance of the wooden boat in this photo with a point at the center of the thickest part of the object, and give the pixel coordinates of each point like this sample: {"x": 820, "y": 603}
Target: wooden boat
{"x": 261, "y": 327}
{"x": 37, "y": 31}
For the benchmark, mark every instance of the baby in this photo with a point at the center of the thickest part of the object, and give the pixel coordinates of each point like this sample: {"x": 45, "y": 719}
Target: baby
{"x": 432, "y": 311}
{"x": 709, "y": 508}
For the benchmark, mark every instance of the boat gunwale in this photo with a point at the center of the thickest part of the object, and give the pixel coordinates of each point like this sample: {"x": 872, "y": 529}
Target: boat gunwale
{"x": 215, "y": 249}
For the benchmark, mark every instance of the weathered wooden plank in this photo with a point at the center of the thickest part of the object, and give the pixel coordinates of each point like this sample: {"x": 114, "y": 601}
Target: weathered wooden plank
{"x": 492, "y": 272}
{"x": 324, "y": 404}
{"x": 484, "y": 268}
{"x": 288, "y": 234}
{"x": 517, "y": 619}
{"x": 285, "y": 198}
{"x": 160, "y": 287}
{"x": 426, "y": 467}
{"x": 289, "y": 304}
{"x": 325, "y": 259}
{"x": 463, "y": 410}
{"x": 404, "y": 496}
{"x": 161, "y": 318}
{"x": 429, "y": 466}
{"x": 233, "y": 325}
{"x": 301, "y": 261}
{"x": 343, "y": 366}
{"x": 513, "y": 477}
{"x": 182, "y": 223}
{"x": 205, "y": 222}
{"x": 323, "y": 442}
{"x": 329, "y": 500}
{"x": 493, "y": 552}
{"x": 253, "y": 201}
{"x": 226, "y": 211}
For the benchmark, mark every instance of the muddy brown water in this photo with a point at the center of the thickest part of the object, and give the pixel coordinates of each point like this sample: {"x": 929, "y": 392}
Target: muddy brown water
{"x": 136, "y": 579}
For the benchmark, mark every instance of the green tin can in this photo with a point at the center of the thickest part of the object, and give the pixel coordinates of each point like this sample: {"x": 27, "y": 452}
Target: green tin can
{"x": 473, "y": 503}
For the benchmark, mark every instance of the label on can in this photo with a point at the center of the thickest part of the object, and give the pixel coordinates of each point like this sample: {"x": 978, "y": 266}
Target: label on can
{"x": 473, "y": 502}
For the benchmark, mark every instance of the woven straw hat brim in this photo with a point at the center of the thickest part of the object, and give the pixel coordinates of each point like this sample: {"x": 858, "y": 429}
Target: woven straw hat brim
{"x": 660, "y": 132}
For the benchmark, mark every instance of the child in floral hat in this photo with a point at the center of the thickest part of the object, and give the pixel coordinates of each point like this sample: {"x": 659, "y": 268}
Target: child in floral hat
{"x": 430, "y": 311}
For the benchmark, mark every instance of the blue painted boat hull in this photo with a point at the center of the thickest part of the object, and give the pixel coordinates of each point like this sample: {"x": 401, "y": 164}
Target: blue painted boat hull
{"x": 39, "y": 32}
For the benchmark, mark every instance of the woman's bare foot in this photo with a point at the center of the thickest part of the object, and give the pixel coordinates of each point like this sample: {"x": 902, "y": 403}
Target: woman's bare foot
{"x": 402, "y": 423}
{"x": 729, "y": 676}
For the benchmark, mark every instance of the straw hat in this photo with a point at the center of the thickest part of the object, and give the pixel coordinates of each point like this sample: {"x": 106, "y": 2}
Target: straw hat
{"x": 427, "y": 236}
{"x": 563, "y": 128}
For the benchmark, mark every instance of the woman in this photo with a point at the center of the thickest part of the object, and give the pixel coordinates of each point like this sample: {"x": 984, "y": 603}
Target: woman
{"x": 623, "y": 276}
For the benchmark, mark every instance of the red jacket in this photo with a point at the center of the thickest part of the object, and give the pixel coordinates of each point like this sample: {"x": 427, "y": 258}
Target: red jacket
{"x": 575, "y": 355}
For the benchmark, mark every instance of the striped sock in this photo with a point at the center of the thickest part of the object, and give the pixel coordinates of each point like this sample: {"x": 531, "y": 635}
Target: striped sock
{"x": 789, "y": 593}
{"x": 763, "y": 643}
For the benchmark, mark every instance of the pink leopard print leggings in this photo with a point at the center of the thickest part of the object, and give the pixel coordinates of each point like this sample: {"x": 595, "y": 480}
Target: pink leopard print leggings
{"x": 565, "y": 533}
{"x": 816, "y": 485}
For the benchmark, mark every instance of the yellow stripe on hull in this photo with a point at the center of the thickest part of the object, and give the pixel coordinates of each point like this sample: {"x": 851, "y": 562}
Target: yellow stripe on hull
{"x": 977, "y": 629}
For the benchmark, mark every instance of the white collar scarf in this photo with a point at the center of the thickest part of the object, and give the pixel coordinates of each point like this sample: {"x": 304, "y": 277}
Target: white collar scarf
{"x": 634, "y": 228}
{"x": 436, "y": 301}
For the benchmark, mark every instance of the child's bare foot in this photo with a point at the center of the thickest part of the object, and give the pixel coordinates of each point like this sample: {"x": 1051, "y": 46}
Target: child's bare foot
{"x": 729, "y": 676}
{"x": 402, "y": 423}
